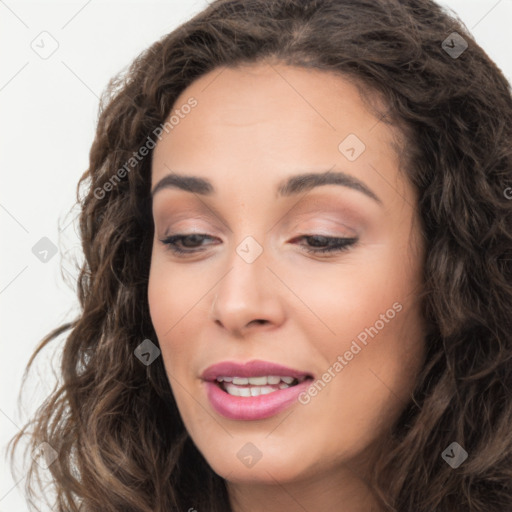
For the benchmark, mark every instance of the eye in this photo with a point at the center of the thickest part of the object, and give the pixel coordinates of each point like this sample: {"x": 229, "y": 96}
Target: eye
{"x": 190, "y": 241}
{"x": 319, "y": 244}
{"x": 327, "y": 244}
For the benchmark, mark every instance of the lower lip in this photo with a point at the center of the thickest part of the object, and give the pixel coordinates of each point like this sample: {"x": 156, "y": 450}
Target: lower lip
{"x": 253, "y": 407}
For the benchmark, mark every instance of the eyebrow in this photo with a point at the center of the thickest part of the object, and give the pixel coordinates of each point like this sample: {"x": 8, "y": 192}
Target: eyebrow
{"x": 290, "y": 186}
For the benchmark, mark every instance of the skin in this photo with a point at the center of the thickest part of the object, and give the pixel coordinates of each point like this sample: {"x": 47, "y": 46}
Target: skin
{"x": 253, "y": 126}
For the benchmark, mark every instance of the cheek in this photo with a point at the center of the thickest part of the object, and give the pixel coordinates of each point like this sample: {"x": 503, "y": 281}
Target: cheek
{"x": 366, "y": 390}
{"x": 373, "y": 318}
{"x": 352, "y": 295}
{"x": 160, "y": 298}
{"x": 170, "y": 296}
{"x": 172, "y": 290}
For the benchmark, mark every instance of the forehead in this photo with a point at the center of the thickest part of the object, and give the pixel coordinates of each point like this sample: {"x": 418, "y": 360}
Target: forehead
{"x": 264, "y": 120}
{"x": 246, "y": 95}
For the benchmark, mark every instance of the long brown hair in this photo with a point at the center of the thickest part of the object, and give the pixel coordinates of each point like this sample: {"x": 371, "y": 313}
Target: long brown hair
{"x": 113, "y": 421}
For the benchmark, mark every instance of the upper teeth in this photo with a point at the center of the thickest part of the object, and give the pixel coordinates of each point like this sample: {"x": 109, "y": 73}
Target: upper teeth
{"x": 257, "y": 381}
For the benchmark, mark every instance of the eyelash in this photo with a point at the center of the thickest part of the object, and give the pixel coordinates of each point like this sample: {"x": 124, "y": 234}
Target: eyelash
{"x": 337, "y": 244}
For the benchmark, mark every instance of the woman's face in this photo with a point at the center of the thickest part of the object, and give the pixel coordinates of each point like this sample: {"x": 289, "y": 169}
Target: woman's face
{"x": 249, "y": 289}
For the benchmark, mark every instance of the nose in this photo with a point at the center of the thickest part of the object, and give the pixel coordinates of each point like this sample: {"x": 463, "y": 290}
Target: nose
{"x": 248, "y": 297}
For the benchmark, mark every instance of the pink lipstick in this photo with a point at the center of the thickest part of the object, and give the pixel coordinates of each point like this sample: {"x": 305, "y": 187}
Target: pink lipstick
{"x": 253, "y": 391}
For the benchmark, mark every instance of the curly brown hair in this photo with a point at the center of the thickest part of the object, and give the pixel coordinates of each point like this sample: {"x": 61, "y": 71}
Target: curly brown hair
{"x": 114, "y": 423}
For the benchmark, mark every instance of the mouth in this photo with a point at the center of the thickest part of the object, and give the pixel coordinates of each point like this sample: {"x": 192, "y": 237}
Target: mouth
{"x": 256, "y": 386}
{"x": 253, "y": 391}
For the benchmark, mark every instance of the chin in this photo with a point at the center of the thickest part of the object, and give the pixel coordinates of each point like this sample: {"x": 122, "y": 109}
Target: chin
{"x": 265, "y": 473}
{"x": 234, "y": 464}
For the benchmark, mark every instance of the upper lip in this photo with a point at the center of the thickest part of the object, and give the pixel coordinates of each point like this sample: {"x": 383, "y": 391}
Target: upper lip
{"x": 253, "y": 368}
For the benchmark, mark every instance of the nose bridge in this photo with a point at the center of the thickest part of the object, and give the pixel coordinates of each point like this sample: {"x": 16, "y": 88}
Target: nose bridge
{"x": 246, "y": 293}
{"x": 247, "y": 264}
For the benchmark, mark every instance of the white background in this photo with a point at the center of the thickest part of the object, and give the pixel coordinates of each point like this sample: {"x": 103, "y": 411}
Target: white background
{"x": 48, "y": 114}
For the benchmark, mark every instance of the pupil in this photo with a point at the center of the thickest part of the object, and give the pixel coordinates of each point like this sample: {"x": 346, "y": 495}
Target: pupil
{"x": 318, "y": 240}
{"x": 193, "y": 239}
